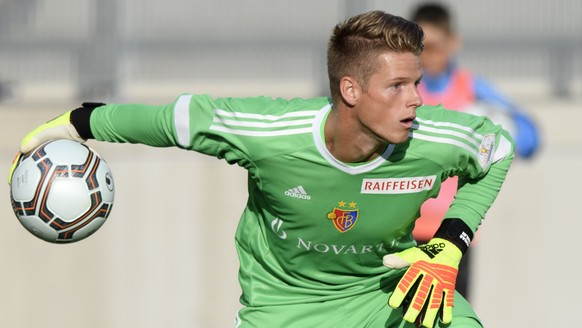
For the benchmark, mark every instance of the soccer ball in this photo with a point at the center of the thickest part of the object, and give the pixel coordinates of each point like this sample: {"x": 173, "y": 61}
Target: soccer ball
{"x": 62, "y": 191}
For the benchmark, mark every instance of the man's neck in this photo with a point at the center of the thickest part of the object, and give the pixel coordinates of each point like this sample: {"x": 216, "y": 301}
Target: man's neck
{"x": 346, "y": 142}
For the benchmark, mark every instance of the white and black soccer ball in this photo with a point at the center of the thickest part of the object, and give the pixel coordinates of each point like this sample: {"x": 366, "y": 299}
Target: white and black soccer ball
{"x": 62, "y": 191}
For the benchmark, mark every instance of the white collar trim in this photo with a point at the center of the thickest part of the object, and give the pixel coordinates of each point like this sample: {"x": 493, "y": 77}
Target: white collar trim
{"x": 350, "y": 169}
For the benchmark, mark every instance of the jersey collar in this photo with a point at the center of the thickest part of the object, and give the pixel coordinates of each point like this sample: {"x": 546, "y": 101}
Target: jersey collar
{"x": 350, "y": 168}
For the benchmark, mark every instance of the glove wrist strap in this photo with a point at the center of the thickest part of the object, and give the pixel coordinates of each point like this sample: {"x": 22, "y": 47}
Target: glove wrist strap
{"x": 81, "y": 118}
{"x": 457, "y": 232}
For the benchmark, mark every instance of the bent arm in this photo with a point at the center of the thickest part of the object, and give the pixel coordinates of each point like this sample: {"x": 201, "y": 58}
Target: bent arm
{"x": 475, "y": 195}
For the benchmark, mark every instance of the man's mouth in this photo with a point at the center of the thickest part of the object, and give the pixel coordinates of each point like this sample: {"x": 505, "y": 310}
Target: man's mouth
{"x": 407, "y": 122}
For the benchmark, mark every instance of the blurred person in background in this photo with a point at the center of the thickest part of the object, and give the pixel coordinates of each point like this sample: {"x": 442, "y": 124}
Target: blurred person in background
{"x": 456, "y": 88}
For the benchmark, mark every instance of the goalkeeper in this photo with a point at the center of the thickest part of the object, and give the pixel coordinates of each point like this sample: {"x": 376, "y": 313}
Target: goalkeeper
{"x": 335, "y": 184}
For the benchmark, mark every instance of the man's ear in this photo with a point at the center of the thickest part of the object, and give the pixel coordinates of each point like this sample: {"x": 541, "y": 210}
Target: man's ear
{"x": 350, "y": 90}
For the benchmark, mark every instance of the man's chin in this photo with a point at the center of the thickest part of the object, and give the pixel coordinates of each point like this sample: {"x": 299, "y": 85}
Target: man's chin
{"x": 398, "y": 140}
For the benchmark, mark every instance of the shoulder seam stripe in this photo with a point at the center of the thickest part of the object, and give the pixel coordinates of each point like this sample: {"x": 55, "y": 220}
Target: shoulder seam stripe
{"x": 231, "y": 123}
{"x": 240, "y": 115}
{"x": 469, "y": 130}
{"x": 254, "y": 133}
{"x": 470, "y": 139}
{"x": 444, "y": 140}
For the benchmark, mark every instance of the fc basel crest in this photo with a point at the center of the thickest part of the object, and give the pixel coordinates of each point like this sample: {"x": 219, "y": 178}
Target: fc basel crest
{"x": 344, "y": 219}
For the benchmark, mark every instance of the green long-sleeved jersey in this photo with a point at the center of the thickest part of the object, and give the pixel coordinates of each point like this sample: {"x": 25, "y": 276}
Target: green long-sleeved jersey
{"x": 316, "y": 228}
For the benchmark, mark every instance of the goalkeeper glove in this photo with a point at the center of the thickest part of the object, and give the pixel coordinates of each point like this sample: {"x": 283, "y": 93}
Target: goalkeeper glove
{"x": 427, "y": 288}
{"x": 72, "y": 125}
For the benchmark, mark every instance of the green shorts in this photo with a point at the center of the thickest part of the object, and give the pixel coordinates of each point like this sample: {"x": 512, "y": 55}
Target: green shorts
{"x": 368, "y": 310}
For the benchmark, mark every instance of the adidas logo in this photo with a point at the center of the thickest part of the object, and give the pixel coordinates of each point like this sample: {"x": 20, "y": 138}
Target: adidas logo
{"x": 298, "y": 192}
{"x": 432, "y": 250}
{"x": 465, "y": 238}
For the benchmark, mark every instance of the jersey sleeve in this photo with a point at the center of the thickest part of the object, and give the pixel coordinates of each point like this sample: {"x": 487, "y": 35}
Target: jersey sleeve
{"x": 185, "y": 123}
{"x": 469, "y": 147}
{"x": 239, "y": 130}
{"x": 482, "y": 174}
{"x": 132, "y": 123}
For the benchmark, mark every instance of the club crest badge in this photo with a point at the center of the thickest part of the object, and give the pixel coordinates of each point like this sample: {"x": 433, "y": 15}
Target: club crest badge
{"x": 344, "y": 217}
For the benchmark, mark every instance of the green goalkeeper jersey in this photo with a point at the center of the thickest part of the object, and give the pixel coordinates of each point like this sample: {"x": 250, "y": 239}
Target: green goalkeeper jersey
{"x": 316, "y": 228}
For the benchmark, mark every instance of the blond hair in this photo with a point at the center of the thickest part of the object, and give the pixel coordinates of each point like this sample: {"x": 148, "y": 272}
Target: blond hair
{"x": 356, "y": 43}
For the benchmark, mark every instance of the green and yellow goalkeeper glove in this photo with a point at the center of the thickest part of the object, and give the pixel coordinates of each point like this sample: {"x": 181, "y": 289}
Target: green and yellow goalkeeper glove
{"x": 427, "y": 288}
{"x": 58, "y": 128}
{"x": 72, "y": 125}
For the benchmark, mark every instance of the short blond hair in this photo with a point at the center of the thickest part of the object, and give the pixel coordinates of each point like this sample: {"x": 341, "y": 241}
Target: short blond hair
{"x": 356, "y": 43}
